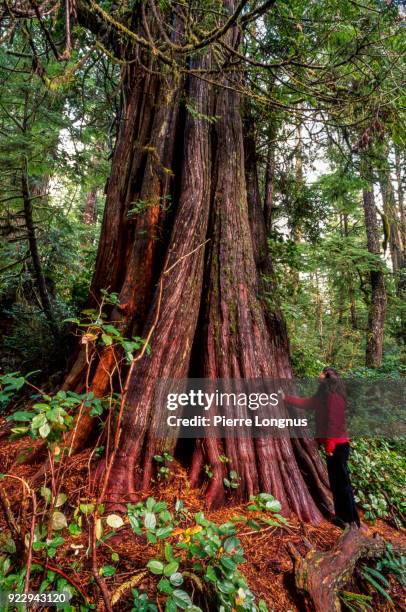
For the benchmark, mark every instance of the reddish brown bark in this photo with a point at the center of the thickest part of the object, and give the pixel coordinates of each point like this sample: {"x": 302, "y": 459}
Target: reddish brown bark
{"x": 131, "y": 233}
{"x": 90, "y": 212}
{"x": 209, "y": 313}
{"x": 139, "y": 183}
{"x": 178, "y": 308}
{"x": 320, "y": 576}
{"x": 238, "y": 340}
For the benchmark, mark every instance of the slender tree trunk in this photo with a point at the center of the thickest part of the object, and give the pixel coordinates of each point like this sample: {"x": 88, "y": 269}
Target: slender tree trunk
{"x": 350, "y": 284}
{"x": 391, "y": 222}
{"x": 35, "y": 258}
{"x": 401, "y": 195}
{"x": 269, "y": 186}
{"x": 90, "y": 212}
{"x": 378, "y": 302}
{"x": 319, "y": 310}
{"x": 296, "y": 233}
{"x": 401, "y": 273}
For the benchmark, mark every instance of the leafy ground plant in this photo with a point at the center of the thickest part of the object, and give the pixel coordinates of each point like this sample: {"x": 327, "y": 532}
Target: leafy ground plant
{"x": 198, "y": 565}
{"x": 10, "y": 385}
{"x": 378, "y": 474}
{"x": 375, "y": 581}
{"x": 356, "y": 602}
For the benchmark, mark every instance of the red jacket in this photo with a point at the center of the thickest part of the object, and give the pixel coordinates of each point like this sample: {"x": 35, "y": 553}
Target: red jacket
{"x": 330, "y": 418}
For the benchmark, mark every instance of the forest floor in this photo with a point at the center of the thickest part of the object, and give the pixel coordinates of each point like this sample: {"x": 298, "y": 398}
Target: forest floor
{"x": 269, "y": 566}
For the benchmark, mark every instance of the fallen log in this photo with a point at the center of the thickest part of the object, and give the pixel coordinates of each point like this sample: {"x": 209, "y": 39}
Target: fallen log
{"x": 319, "y": 576}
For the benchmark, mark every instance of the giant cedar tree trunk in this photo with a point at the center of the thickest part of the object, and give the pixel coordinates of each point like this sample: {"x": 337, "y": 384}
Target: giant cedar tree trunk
{"x": 211, "y": 299}
{"x": 141, "y": 172}
{"x": 310, "y": 463}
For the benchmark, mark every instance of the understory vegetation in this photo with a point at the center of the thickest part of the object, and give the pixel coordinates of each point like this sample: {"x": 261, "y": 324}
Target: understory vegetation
{"x": 207, "y": 190}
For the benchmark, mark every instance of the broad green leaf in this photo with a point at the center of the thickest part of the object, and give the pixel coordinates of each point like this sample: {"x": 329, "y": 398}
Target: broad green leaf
{"x": 115, "y": 521}
{"x": 164, "y": 586}
{"x": 273, "y": 506}
{"x": 155, "y": 566}
{"x": 46, "y": 494}
{"x": 38, "y": 421}
{"x": 22, "y": 416}
{"x": 171, "y": 568}
{"x": 107, "y": 340}
{"x": 59, "y": 521}
{"x": 44, "y": 430}
{"x": 107, "y": 570}
{"x": 60, "y": 499}
{"x": 164, "y": 532}
{"x": 231, "y": 545}
{"x": 181, "y": 599}
{"x": 176, "y": 579}
{"x": 150, "y": 520}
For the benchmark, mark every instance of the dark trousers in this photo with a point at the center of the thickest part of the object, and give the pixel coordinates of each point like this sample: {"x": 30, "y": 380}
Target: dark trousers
{"x": 343, "y": 496}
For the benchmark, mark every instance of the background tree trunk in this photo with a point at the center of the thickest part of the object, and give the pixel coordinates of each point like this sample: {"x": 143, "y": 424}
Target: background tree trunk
{"x": 269, "y": 183}
{"x": 377, "y": 308}
{"x": 401, "y": 195}
{"x": 90, "y": 212}
{"x": 33, "y": 245}
{"x": 391, "y": 223}
{"x": 350, "y": 282}
{"x": 401, "y": 275}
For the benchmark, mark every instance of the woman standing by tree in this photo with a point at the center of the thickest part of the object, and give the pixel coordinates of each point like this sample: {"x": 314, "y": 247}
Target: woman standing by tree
{"x": 329, "y": 404}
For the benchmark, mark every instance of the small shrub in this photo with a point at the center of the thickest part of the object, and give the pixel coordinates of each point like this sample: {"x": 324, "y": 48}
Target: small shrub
{"x": 202, "y": 565}
{"x": 378, "y": 474}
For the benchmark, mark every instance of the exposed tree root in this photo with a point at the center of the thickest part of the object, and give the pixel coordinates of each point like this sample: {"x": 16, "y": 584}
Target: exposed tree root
{"x": 320, "y": 575}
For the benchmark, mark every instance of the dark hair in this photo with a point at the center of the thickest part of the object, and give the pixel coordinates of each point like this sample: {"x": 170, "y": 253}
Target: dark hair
{"x": 332, "y": 383}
